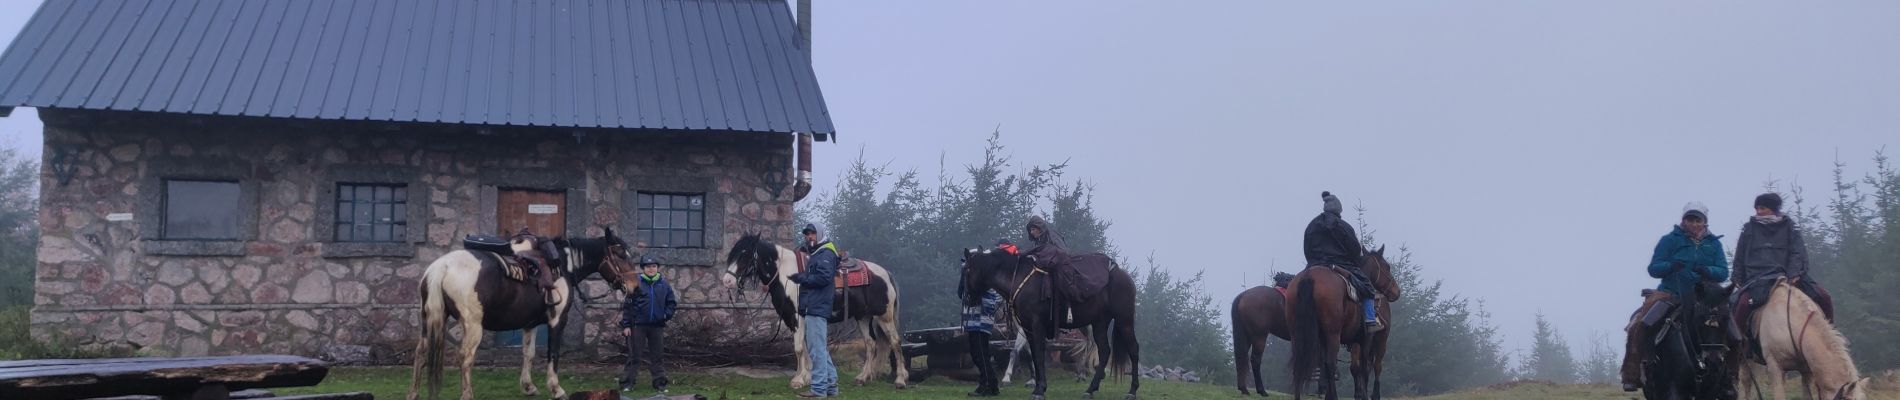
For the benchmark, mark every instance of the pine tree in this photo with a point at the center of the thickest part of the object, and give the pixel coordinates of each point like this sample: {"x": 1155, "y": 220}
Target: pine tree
{"x": 19, "y": 227}
{"x": 1549, "y": 358}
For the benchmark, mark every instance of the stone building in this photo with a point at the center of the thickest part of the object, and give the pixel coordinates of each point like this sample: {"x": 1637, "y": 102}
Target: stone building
{"x": 226, "y": 177}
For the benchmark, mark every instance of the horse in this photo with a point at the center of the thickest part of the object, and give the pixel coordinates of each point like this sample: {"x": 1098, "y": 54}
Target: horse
{"x": 874, "y": 306}
{"x": 1691, "y": 358}
{"x": 1083, "y": 353}
{"x": 457, "y": 285}
{"x": 1324, "y": 318}
{"x": 1257, "y": 313}
{"x": 1028, "y": 291}
{"x": 1795, "y": 336}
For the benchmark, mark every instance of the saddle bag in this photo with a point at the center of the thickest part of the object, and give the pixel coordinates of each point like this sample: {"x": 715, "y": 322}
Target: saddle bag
{"x": 488, "y": 243}
{"x": 1658, "y": 312}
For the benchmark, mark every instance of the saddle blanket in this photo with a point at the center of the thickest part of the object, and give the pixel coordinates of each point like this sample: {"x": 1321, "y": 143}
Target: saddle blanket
{"x": 510, "y": 266}
{"x": 1086, "y": 276}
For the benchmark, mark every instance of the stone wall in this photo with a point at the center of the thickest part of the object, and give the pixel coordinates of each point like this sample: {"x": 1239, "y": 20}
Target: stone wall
{"x": 285, "y": 288}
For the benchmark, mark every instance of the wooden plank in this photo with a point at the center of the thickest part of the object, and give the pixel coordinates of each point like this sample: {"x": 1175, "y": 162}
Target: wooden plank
{"x": 165, "y": 377}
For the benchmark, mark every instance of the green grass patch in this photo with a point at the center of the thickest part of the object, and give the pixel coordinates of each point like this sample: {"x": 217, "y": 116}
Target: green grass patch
{"x": 16, "y": 341}
{"x": 500, "y": 383}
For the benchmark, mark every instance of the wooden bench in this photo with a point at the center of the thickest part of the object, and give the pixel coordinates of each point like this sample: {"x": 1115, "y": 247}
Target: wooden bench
{"x": 193, "y": 378}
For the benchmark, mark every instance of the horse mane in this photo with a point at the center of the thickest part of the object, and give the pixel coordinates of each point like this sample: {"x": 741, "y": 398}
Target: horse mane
{"x": 765, "y": 252}
{"x": 1386, "y": 282}
{"x": 1836, "y": 343}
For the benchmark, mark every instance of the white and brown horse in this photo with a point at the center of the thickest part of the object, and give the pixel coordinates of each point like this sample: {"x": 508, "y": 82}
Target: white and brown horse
{"x": 873, "y": 307}
{"x": 461, "y": 286}
{"x": 1796, "y": 336}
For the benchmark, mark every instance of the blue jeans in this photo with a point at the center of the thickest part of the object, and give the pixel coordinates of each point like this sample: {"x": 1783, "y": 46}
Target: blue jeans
{"x": 824, "y": 376}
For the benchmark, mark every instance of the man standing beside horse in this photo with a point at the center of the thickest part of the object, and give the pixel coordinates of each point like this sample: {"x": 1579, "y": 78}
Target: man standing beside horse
{"x": 814, "y": 305}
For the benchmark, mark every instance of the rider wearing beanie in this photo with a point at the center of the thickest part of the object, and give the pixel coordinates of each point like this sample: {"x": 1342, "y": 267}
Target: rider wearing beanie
{"x": 1331, "y": 241}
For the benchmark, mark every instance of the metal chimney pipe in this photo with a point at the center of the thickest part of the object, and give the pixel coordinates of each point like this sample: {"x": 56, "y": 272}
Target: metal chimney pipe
{"x": 804, "y": 27}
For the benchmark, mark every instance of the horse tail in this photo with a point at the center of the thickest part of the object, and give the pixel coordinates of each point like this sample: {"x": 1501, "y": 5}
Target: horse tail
{"x": 435, "y": 325}
{"x": 1242, "y": 340}
{"x": 1307, "y": 334}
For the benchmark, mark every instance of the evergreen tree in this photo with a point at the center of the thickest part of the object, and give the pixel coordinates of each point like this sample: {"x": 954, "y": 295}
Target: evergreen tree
{"x": 1549, "y": 358}
{"x": 19, "y": 227}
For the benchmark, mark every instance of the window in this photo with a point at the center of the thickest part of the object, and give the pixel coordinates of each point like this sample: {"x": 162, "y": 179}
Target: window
{"x": 672, "y": 220}
{"x": 200, "y": 210}
{"x": 371, "y": 213}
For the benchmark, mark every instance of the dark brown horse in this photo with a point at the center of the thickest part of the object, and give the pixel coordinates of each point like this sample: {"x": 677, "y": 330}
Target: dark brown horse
{"x": 1325, "y": 318}
{"x": 1028, "y": 291}
{"x": 1257, "y": 313}
{"x": 461, "y": 286}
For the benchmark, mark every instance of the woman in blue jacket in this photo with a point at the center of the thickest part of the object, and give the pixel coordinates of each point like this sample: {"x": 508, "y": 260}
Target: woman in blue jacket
{"x": 1686, "y": 256}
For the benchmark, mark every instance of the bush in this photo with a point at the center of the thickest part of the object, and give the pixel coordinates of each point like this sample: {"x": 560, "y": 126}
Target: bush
{"x": 16, "y": 341}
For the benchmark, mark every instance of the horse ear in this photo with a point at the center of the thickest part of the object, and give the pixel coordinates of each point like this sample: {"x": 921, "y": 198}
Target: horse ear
{"x": 1380, "y": 251}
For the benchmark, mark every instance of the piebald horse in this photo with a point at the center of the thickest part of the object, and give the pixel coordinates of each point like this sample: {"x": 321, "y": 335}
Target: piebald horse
{"x": 874, "y": 307}
{"x": 458, "y": 286}
{"x": 1796, "y": 336}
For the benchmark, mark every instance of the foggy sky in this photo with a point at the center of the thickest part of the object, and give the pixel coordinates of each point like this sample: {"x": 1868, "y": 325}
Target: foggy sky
{"x": 1529, "y": 153}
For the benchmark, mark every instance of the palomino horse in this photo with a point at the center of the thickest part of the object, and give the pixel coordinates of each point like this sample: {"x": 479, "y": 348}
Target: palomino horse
{"x": 1324, "y": 318}
{"x": 458, "y": 286}
{"x": 1795, "y": 336}
{"x": 874, "y": 306}
{"x": 1257, "y": 313}
{"x": 1028, "y": 291}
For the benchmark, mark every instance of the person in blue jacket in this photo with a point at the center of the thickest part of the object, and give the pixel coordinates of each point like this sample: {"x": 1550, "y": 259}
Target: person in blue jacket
{"x": 643, "y": 317}
{"x": 1684, "y": 258}
{"x": 814, "y": 306}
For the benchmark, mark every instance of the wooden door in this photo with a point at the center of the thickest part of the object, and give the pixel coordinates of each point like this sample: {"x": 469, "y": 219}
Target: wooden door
{"x": 542, "y": 212}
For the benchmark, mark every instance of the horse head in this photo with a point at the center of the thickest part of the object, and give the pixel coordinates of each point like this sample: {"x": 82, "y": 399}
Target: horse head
{"x": 980, "y": 267}
{"x": 608, "y": 255}
{"x": 1380, "y": 272}
{"x": 751, "y": 257}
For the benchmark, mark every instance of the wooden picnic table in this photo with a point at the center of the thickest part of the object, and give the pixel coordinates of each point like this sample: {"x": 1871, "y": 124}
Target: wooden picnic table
{"x": 193, "y": 378}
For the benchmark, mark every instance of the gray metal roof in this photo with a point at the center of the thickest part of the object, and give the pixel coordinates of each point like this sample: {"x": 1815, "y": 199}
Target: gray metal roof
{"x": 662, "y": 64}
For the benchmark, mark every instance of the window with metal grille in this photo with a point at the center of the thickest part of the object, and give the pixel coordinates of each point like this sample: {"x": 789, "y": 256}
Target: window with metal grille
{"x": 371, "y": 213}
{"x": 672, "y": 220}
{"x": 200, "y": 210}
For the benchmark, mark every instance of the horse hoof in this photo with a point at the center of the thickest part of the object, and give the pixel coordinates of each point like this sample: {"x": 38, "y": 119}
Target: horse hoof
{"x": 530, "y": 392}
{"x": 1035, "y": 397}
{"x": 1088, "y": 396}
{"x": 902, "y": 386}
{"x": 1131, "y": 396}
{"x": 857, "y": 382}
{"x": 559, "y": 395}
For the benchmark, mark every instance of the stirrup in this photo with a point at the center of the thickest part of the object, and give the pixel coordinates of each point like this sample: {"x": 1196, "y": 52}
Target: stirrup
{"x": 1374, "y": 326}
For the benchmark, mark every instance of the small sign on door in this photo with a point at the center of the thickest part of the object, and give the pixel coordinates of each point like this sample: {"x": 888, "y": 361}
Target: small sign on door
{"x": 543, "y": 208}
{"x": 118, "y": 217}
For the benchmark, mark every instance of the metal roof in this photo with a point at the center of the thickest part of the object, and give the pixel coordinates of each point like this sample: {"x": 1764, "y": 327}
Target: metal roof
{"x": 660, "y": 64}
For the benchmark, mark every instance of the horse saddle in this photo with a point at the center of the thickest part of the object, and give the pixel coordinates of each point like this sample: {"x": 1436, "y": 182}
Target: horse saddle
{"x": 851, "y": 272}
{"x": 1353, "y": 282}
{"x": 525, "y": 266}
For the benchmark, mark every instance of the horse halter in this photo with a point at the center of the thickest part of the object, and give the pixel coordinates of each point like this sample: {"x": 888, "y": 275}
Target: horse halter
{"x": 615, "y": 263}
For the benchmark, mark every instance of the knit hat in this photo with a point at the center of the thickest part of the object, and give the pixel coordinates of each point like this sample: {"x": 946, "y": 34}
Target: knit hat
{"x": 1695, "y": 208}
{"x": 648, "y": 260}
{"x": 1332, "y": 203}
{"x": 1770, "y": 200}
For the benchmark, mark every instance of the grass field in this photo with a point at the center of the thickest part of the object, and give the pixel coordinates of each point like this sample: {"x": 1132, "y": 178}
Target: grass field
{"x": 498, "y": 383}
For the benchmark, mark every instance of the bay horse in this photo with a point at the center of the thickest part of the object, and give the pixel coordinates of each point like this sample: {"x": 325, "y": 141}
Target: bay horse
{"x": 459, "y": 286}
{"x": 873, "y": 306}
{"x": 1324, "y": 319}
{"x": 1257, "y": 313}
{"x": 1028, "y": 291}
{"x": 1796, "y": 336}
